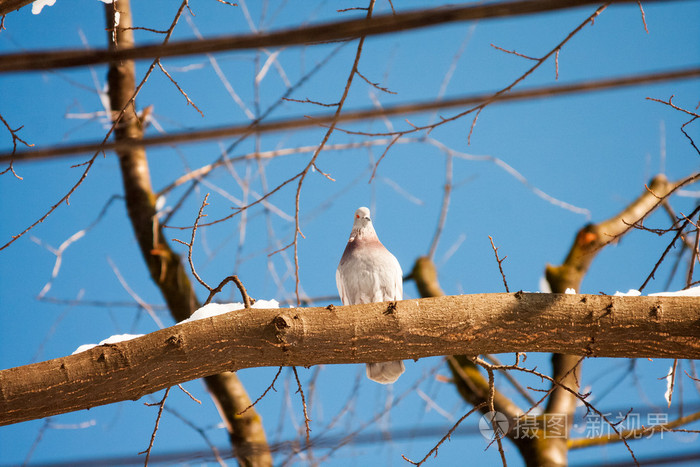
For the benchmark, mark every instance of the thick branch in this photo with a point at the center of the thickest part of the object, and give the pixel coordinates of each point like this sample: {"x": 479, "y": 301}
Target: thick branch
{"x": 591, "y": 325}
{"x": 591, "y": 239}
{"x": 331, "y": 31}
{"x": 7, "y": 6}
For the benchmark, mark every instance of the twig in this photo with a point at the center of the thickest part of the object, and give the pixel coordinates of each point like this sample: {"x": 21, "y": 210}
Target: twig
{"x": 671, "y": 104}
{"x": 513, "y": 173}
{"x": 694, "y": 256}
{"x": 155, "y": 428}
{"x": 271, "y": 386}
{"x": 444, "y": 207}
{"x": 247, "y": 301}
{"x": 668, "y": 248}
{"x": 376, "y": 166}
{"x": 514, "y": 382}
{"x": 189, "y": 394}
{"x": 58, "y": 252}
{"x": 686, "y": 181}
{"x": 134, "y": 295}
{"x": 494, "y": 424}
{"x": 644, "y": 18}
{"x": 40, "y": 433}
{"x": 15, "y": 138}
{"x": 376, "y": 85}
{"x": 446, "y": 437}
{"x": 182, "y": 91}
{"x": 200, "y": 431}
{"x": 138, "y": 28}
{"x": 212, "y": 291}
{"x": 303, "y": 403}
{"x": 680, "y": 109}
{"x": 191, "y": 244}
{"x": 514, "y": 53}
{"x": 308, "y": 101}
{"x": 499, "y": 261}
{"x": 692, "y": 143}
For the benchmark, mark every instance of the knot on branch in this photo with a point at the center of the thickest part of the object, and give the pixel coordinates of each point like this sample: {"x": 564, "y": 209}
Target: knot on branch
{"x": 175, "y": 340}
{"x": 284, "y": 329}
{"x": 390, "y": 309}
{"x": 282, "y": 322}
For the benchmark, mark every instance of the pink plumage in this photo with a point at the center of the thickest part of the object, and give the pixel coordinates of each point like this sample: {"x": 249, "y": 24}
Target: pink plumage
{"x": 369, "y": 273}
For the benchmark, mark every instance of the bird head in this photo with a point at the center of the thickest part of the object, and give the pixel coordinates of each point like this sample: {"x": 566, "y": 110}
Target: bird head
{"x": 362, "y": 218}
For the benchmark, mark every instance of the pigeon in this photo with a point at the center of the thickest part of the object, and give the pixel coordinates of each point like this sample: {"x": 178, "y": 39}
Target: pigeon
{"x": 368, "y": 273}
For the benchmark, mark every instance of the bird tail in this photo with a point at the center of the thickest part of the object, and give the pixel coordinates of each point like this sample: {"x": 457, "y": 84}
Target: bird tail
{"x": 386, "y": 372}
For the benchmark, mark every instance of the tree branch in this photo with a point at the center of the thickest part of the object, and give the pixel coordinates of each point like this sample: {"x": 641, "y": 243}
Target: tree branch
{"x": 590, "y": 325}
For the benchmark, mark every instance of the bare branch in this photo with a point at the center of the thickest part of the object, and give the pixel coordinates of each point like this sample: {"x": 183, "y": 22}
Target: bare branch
{"x": 161, "y": 405}
{"x": 514, "y": 53}
{"x": 446, "y": 437}
{"x": 668, "y": 248}
{"x": 444, "y": 206}
{"x": 644, "y": 18}
{"x": 373, "y": 84}
{"x": 247, "y": 301}
{"x": 303, "y": 403}
{"x": 671, "y": 104}
{"x": 15, "y": 139}
{"x": 499, "y": 261}
{"x": 189, "y": 101}
{"x": 271, "y": 386}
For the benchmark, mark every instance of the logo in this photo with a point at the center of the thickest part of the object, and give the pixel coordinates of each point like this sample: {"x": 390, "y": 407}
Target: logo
{"x": 493, "y": 425}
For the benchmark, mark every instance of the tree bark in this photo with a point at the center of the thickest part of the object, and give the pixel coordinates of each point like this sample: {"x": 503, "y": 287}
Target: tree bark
{"x": 472, "y": 385}
{"x": 245, "y": 431}
{"x": 590, "y": 325}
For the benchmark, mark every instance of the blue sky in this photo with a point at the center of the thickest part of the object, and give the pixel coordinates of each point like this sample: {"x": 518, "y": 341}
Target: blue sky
{"x": 594, "y": 151}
